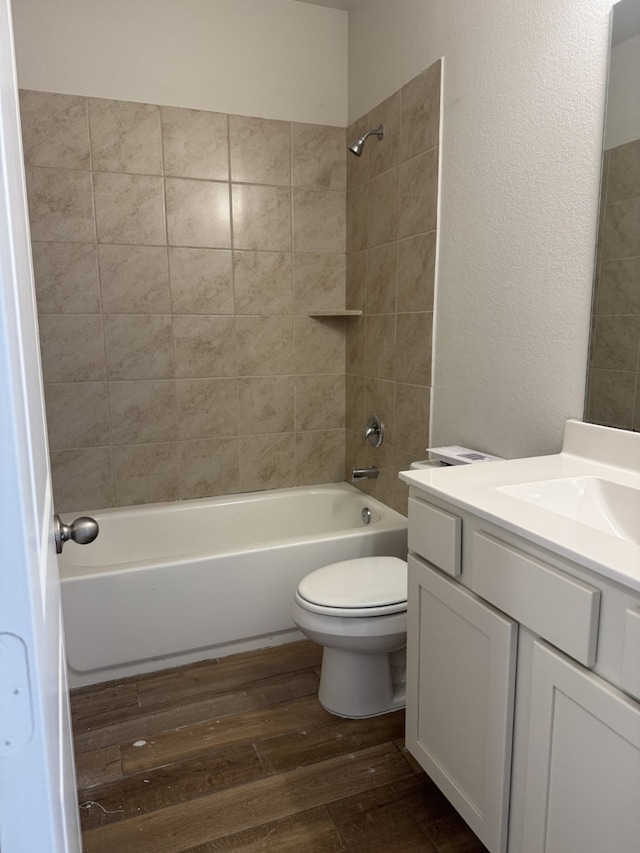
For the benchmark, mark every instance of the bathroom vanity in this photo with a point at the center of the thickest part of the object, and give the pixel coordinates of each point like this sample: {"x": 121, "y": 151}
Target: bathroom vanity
{"x": 523, "y": 653}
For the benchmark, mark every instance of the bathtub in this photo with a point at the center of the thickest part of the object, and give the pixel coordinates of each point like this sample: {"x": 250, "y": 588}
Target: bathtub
{"x": 173, "y": 583}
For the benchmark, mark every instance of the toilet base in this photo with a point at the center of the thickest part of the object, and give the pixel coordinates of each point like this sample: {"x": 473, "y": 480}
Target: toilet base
{"x": 356, "y": 685}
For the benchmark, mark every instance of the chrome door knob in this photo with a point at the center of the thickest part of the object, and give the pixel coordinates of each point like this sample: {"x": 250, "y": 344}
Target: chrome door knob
{"x": 83, "y": 530}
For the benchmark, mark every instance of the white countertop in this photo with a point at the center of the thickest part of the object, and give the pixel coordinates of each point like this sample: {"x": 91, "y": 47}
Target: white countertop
{"x": 588, "y": 451}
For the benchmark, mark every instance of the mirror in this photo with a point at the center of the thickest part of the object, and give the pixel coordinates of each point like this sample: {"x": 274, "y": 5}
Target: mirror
{"x": 613, "y": 381}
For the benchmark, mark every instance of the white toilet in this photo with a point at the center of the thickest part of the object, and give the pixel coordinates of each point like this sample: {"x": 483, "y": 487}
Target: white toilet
{"x": 357, "y": 610}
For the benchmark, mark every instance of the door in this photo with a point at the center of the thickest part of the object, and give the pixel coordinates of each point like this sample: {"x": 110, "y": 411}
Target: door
{"x": 38, "y": 809}
{"x": 583, "y": 764}
{"x": 461, "y": 657}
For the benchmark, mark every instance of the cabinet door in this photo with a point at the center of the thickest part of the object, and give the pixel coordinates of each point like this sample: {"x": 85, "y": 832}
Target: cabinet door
{"x": 583, "y": 767}
{"x": 461, "y": 656}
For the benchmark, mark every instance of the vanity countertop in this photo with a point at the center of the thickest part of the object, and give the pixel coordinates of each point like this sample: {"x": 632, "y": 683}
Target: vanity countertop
{"x": 496, "y": 491}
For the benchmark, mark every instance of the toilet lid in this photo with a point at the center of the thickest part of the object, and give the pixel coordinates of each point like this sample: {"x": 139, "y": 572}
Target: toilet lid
{"x": 359, "y": 583}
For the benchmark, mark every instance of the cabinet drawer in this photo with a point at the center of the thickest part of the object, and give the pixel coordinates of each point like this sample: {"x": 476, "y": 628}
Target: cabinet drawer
{"x": 435, "y": 535}
{"x": 559, "y": 608}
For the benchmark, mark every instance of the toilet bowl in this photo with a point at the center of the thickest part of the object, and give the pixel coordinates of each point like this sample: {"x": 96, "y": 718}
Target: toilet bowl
{"x": 357, "y": 610}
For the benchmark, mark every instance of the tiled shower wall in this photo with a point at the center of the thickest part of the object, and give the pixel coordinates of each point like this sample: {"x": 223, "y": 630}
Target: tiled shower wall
{"x": 176, "y": 255}
{"x": 614, "y": 361}
{"x": 391, "y": 250}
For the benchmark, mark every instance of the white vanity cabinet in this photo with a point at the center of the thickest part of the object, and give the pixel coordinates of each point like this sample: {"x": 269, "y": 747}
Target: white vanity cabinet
{"x": 461, "y": 666}
{"x": 488, "y": 610}
{"x": 583, "y": 764}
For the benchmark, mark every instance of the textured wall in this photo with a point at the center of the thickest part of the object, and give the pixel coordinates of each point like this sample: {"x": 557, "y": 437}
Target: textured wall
{"x": 524, "y": 89}
{"x": 614, "y": 365}
{"x": 270, "y": 58}
{"x": 176, "y": 253}
{"x": 391, "y": 255}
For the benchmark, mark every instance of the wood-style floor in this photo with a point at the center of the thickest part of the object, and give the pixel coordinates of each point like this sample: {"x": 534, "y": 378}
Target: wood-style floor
{"x": 238, "y": 754}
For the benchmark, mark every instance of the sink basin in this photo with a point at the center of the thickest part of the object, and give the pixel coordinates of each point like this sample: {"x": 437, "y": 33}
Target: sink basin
{"x": 599, "y": 504}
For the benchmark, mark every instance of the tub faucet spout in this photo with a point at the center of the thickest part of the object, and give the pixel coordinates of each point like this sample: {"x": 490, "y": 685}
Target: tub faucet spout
{"x": 364, "y": 473}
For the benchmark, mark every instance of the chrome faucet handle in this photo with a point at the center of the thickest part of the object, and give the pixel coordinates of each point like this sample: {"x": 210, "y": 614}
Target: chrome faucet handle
{"x": 373, "y": 432}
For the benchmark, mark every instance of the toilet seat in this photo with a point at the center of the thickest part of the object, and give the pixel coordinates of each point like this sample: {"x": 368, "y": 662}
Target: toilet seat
{"x": 365, "y": 586}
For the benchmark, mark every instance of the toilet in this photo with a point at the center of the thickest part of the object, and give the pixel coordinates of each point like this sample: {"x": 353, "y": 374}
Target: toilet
{"x": 357, "y": 610}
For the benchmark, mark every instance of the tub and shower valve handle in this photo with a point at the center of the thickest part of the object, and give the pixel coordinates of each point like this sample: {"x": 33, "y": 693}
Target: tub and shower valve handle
{"x": 83, "y": 530}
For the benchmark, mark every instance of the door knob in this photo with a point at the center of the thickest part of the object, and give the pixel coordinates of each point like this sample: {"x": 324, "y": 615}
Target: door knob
{"x": 83, "y": 530}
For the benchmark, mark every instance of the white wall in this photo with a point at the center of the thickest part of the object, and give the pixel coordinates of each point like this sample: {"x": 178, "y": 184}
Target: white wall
{"x": 623, "y": 102}
{"x": 522, "y": 134}
{"x": 270, "y": 58}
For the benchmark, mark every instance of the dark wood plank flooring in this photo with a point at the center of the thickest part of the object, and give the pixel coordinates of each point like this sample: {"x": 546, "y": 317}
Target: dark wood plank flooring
{"x": 237, "y": 754}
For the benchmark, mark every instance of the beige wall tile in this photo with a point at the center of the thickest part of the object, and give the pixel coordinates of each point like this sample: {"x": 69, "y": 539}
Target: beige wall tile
{"x": 82, "y": 479}
{"x": 198, "y": 213}
{"x": 355, "y": 346}
{"x": 208, "y": 468}
{"x": 421, "y": 112}
{"x": 382, "y": 209}
{"x": 412, "y": 405}
{"x": 265, "y": 405}
{"x": 356, "y": 281}
{"x": 129, "y": 209}
{"x": 619, "y": 287}
{"x": 611, "y": 398}
{"x": 60, "y": 205}
{"x": 77, "y": 414}
{"x": 260, "y": 150}
{"x": 319, "y": 156}
{"x": 267, "y": 461}
{"x": 621, "y": 237}
{"x": 416, "y": 272}
{"x": 318, "y": 282}
{"x": 143, "y": 411}
{"x": 355, "y": 398}
{"x": 623, "y": 180}
{"x": 380, "y": 345}
{"x": 195, "y": 143}
{"x": 381, "y": 279}
{"x": 319, "y": 221}
{"x": 263, "y": 282}
{"x": 66, "y": 278}
{"x": 319, "y": 345}
{"x": 319, "y": 457}
{"x": 264, "y": 345}
{"x": 134, "y": 279}
{"x": 125, "y": 137}
{"x": 72, "y": 348}
{"x": 205, "y": 346}
{"x": 201, "y": 281}
{"x": 384, "y": 153}
{"x": 320, "y": 402}
{"x": 261, "y": 218}
{"x": 145, "y": 473}
{"x": 206, "y": 408}
{"x": 357, "y": 221}
{"x": 55, "y": 130}
{"x": 418, "y": 194}
{"x": 616, "y": 342}
{"x": 139, "y": 346}
{"x": 413, "y": 348}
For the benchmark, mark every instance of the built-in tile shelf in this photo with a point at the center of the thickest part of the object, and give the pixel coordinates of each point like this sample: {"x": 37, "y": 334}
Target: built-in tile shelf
{"x": 339, "y": 312}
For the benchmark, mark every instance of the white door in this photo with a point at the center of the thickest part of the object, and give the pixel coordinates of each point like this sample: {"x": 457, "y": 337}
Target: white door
{"x": 583, "y": 766}
{"x": 38, "y": 812}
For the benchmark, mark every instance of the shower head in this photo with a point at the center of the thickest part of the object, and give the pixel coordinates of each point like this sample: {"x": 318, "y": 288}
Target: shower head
{"x": 357, "y": 146}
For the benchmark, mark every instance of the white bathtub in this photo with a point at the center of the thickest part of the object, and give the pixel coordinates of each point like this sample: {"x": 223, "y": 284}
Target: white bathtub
{"x": 168, "y": 584}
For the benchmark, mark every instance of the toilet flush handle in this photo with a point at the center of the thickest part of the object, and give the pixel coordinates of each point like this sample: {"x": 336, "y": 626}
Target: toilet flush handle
{"x": 83, "y": 530}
